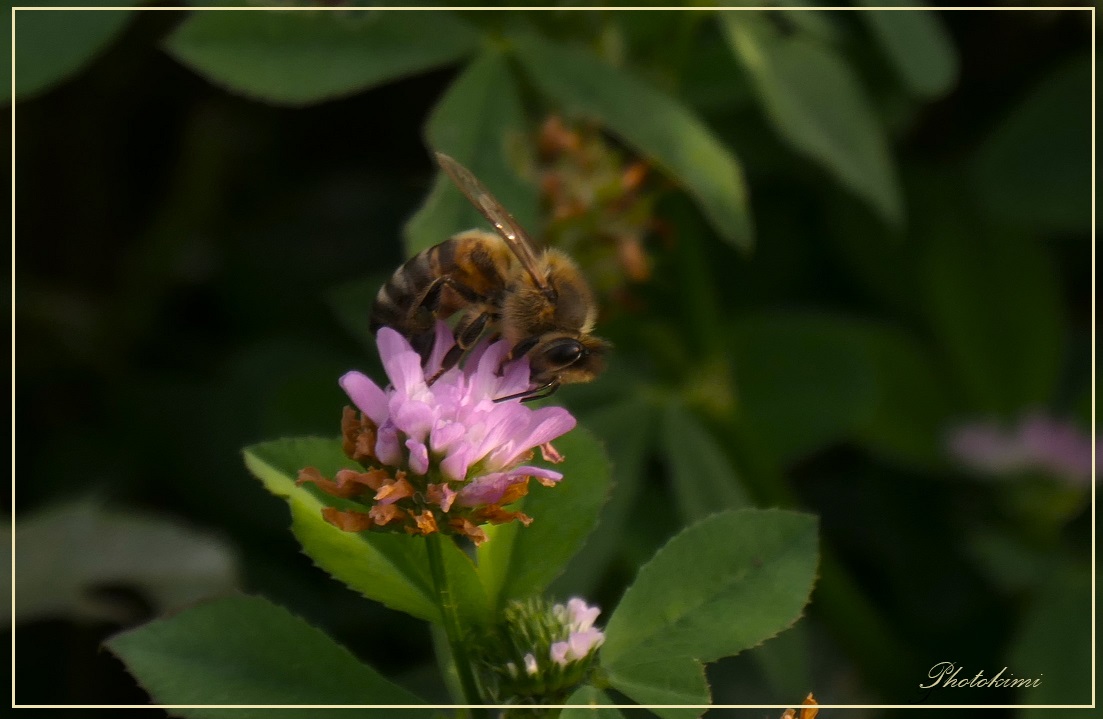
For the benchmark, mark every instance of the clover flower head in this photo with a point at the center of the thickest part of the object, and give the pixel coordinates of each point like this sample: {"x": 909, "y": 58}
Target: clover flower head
{"x": 439, "y": 452}
{"x": 540, "y": 651}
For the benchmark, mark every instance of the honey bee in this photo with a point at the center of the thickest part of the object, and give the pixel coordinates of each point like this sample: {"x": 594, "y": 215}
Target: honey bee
{"x": 537, "y": 300}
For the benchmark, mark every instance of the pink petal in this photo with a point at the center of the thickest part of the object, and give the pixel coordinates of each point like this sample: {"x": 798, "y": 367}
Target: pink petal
{"x": 387, "y": 448}
{"x": 419, "y": 456}
{"x": 366, "y": 395}
{"x": 413, "y": 418}
{"x": 582, "y": 643}
{"x": 559, "y": 653}
{"x": 506, "y": 424}
{"x": 456, "y": 464}
{"x": 444, "y": 435}
{"x": 484, "y": 380}
{"x": 516, "y": 378}
{"x": 488, "y": 489}
{"x": 402, "y": 364}
{"x": 546, "y": 477}
{"x": 545, "y": 424}
{"x": 582, "y": 616}
{"x": 443, "y": 341}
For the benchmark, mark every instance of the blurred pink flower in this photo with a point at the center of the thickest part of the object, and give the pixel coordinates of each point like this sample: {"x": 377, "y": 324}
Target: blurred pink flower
{"x": 1037, "y": 443}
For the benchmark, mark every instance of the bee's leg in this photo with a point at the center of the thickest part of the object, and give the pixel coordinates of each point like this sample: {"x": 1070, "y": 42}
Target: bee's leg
{"x": 470, "y": 329}
{"x": 420, "y": 316}
{"x": 522, "y": 347}
{"x": 533, "y": 393}
{"x": 545, "y": 390}
{"x": 468, "y": 332}
{"x": 426, "y": 309}
{"x": 519, "y": 350}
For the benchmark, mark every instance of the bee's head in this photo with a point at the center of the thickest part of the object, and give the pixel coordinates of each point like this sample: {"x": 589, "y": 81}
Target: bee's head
{"x": 568, "y": 358}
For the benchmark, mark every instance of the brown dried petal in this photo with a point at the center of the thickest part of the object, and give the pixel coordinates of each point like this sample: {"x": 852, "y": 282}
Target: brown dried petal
{"x": 335, "y": 489}
{"x": 463, "y": 526}
{"x": 426, "y": 522}
{"x": 372, "y": 479}
{"x": 394, "y": 490}
{"x": 496, "y": 515}
{"x": 357, "y": 436}
{"x": 348, "y": 521}
{"x": 440, "y": 495}
{"x": 514, "y": 492}
{"x": 385, "y": 513}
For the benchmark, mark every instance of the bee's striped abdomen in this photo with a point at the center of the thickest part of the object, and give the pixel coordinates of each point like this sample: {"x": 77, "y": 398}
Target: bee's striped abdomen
{"x": 466, "y": 271}
{"x": 398, "y": 304}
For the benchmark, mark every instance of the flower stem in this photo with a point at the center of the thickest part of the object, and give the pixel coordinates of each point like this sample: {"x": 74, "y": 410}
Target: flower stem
{"x": 451, "y": 621}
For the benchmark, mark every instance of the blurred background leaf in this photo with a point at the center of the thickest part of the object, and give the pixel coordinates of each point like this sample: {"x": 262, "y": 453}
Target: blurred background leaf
{"x": 477, "y": 122}
{"x": 1031, "y": 171}
{"x": 88, "y": 562}
{"x": 301, "y": 57}
{"x": 658, "y": 126}
{"x": 207, "y": 206}
{"x": 818, "y": 107}
{"x": 804, "y": 383}
{"x": 918, "y": 46}
{"x": 54, "y": 46}
{"x": 1056, "y": 631}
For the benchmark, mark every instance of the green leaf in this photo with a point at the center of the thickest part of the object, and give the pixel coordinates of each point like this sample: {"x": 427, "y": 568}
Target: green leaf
{"x": 53, "y": 45}
{"x": 1033, "y": 171}
{"x": 389, "y": 568}
{"x": 721, "y": 586}
{"x": 588, "y": 696}
{"x": 917, "y": 44}
{"x": 801, "y": 382}
{"x": 520, "y": 561}
{"x": 704, "y": 479}
{"x": 479, "y": 122}
{"x": 246, "y": 650}
{"x": 656, "y": 125}
{"x": 818, "y": 108}
{"x": 296, "y": 58}
{"x": 1054, "y": 645}
{"x": 670, "y": 680}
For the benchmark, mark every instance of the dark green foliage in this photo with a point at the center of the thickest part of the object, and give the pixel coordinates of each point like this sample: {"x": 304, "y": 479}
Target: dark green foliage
{"x": 868, "y": 228}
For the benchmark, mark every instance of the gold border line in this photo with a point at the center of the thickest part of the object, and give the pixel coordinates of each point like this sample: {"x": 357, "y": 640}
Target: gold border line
{"x": 1095, "y": 451}
{"x": 562, "y": 706}
{"x": 13, "y": 356}
{"x": 550, "y": 706}
{"x": 489, "y": 8}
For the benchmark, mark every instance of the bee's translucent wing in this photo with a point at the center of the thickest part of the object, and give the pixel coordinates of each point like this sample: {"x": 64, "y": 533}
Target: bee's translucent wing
{"x": 492, "y": 210}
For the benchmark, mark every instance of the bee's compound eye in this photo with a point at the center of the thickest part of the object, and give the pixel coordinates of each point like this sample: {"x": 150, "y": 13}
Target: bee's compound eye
{"x": 564, "y": 352}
